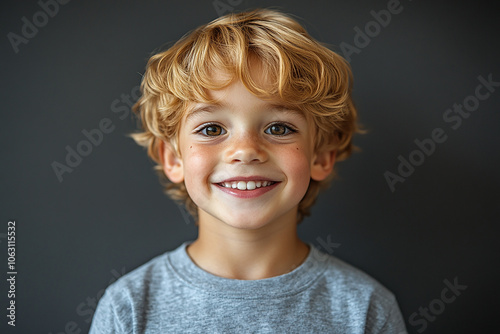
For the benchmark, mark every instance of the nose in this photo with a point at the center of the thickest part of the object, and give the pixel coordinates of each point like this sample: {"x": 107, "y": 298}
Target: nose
{"x": 246, "y": 148}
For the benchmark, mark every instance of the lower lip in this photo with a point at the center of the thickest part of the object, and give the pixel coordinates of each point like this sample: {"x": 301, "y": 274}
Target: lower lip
{"x": 247, "y": 193}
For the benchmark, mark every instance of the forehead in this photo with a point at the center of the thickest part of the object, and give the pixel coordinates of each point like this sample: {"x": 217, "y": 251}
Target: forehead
{"x": 231, "y": 94}
{"x": 253, "y": 73}
{"x": 199, "y": 109}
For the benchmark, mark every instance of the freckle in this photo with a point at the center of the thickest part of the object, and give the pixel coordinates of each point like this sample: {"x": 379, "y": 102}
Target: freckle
{"x": 190, "y": 146}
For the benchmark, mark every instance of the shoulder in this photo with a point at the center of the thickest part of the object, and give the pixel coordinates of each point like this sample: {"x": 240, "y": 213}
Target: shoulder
{"x": 348, "y": 288}
{"x": 124, "y": 300}
{"x": 149, "y": 277}
{"x": 337, "y": 274}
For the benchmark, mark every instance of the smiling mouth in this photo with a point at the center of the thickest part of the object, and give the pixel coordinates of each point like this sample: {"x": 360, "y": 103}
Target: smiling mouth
{"x": 246, "y": 185}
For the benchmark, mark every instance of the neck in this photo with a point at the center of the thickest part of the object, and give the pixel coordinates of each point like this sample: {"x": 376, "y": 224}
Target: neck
{"x": 247, "y": 254}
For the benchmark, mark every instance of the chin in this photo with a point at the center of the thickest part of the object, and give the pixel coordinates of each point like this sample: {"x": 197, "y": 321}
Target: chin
{"x": 248, "y": 225}
{"x": 242, "y": 221}
{"x": 247, "y": 221}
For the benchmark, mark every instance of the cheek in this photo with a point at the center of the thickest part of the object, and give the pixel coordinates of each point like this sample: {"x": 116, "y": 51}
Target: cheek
{"x": 198, "y": 165}
{"x": 297, "y": 165}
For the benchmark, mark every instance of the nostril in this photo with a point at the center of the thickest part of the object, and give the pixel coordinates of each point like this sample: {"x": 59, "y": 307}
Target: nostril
{"x": 245, "y": 151}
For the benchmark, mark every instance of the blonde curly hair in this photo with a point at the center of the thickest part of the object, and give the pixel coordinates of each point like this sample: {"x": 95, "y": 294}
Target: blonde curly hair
{"x": 305, "y": 74}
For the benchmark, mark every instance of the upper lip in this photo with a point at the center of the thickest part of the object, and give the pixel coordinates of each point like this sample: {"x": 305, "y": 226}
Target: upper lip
{"x": 247, "y": 178}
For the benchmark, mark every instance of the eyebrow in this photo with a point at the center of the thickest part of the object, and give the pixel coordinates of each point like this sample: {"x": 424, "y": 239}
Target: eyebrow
{"x": 205, "y": 108}
{"x": 208, "y": 108}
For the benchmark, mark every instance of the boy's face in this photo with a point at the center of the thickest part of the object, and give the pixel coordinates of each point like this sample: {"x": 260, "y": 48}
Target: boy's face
{"x": 246, "y": 162}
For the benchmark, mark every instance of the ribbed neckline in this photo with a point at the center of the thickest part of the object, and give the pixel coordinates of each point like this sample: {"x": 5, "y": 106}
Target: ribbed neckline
{"x": 287, "y": 284}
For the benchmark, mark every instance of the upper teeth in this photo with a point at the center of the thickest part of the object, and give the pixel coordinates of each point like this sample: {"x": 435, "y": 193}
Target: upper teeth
{"x": 242, "y": 185}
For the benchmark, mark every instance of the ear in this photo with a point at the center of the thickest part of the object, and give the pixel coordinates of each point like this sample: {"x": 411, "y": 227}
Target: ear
{"x": 172, "y": 164}
{"x": 323, "y": 164}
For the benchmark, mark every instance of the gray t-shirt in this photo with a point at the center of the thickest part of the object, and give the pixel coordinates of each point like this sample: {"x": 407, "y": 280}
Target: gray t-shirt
{"x": 171, "y": 294}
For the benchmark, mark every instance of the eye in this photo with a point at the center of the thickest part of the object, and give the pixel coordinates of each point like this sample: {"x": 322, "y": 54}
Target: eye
{"x": 279, "y": 129}
{"x": 212, "y": 130}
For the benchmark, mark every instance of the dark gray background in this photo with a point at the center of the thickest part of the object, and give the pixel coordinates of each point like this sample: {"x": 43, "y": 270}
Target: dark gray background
{"x": 109, "y": 215}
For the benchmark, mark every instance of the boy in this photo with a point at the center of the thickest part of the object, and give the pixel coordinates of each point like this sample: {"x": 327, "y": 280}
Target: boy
{"x": 246, "y": 117}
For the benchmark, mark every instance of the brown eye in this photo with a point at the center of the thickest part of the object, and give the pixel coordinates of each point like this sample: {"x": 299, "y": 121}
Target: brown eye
{"x": 279, "y": 129}
{"x": 212, "y": 130}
